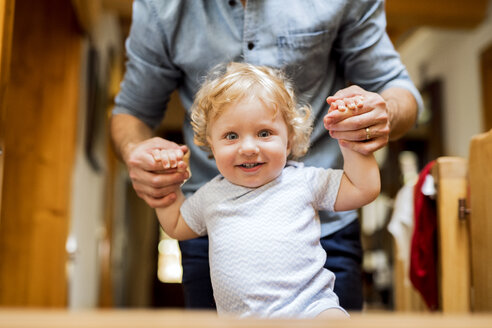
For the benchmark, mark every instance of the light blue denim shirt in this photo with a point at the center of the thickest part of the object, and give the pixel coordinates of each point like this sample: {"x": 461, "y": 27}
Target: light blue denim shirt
{"x": 322, "y": 45}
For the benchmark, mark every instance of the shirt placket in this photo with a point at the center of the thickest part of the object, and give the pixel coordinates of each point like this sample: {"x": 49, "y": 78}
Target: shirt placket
{"x": 250, "y": 42}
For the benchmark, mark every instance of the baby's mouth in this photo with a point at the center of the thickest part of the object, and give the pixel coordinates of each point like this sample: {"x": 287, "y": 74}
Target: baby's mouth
{"x": 250, "y": 165}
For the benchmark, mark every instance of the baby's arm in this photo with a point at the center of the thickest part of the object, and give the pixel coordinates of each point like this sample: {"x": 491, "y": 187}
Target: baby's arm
{"x": 360, "y": 182}
{"x": 170, "y": 216}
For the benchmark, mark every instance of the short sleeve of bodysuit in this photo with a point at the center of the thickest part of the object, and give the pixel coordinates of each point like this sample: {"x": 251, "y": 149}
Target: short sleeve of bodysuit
{"x": 193, "y": 208}
{"x": 324, "y": 184}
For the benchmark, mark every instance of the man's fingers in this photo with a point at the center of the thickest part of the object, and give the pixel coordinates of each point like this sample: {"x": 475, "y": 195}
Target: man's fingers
{"x": 157, "y": 179}
{"x": 156, "y": 192}
{"x": 337, "y": 116}
{"x": 159, "y": 202}
{"x": 350, "y": 91}
{"x": 159, "y": 143}
{"x": 355, "y": 135}
{"x": 155, "y": 189}
{"x": 364, "y": 148}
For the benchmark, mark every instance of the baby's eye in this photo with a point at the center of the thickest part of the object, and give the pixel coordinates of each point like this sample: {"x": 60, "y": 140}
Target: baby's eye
{"x": 264, "y": 134}
{"x": 231, "y": 136}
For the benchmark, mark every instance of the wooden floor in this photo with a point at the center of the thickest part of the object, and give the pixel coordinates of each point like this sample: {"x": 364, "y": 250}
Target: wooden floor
{"x": 20, "y": 318}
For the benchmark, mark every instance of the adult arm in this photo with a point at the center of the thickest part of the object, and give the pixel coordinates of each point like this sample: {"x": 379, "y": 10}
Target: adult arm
{"x": 149, "y": 80}
{"x": 373, "y": 68}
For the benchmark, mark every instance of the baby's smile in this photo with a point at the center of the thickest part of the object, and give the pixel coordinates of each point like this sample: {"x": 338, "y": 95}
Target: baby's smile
{"x": 250, "y": 165}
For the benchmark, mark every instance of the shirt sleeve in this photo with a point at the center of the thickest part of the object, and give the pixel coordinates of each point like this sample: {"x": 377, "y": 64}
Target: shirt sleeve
{"x": 192, "y": 212}
{"x": 366, "y": 53}
{"x": 324, "y": 184}
{"x": 150, "y": 76}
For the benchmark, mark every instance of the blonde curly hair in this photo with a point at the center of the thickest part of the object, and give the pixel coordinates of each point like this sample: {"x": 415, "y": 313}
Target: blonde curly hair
{"x": 230, "y": 83}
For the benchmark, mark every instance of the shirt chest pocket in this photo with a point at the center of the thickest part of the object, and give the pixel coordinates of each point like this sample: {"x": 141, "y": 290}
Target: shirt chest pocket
{"x": 305, "y": 56}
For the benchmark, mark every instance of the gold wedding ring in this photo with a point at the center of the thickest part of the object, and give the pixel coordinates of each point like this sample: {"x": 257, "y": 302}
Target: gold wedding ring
{"x": 368, "y": 134}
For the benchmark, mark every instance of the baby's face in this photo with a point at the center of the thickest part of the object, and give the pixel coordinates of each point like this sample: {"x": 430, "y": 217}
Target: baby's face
{"x": 250, "y": 144}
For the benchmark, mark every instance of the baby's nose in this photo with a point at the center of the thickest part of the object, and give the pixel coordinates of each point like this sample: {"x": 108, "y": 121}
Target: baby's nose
{"x": 248, "y": 147}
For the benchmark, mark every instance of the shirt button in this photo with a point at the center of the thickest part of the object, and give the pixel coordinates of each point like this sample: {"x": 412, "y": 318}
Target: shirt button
{"x": 232, "y": 3}
{"x": 251, "y": 45}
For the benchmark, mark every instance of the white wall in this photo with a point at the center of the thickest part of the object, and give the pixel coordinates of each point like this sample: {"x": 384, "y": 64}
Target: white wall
{"x": 88, "y": 185}
{"x": 454, "y": 57}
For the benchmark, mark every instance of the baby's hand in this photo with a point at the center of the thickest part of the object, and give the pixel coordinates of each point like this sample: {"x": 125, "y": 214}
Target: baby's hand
{"x": 341, "y": 109}
{"x": 170, "y": 159}
{"x": 352, "y": 103}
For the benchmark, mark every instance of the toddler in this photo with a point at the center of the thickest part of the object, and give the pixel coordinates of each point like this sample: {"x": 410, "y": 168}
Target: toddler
{"x": 260, "y": 212}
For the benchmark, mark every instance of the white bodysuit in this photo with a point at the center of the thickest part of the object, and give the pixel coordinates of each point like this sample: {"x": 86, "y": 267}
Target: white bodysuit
{"x": 265, "y": 255}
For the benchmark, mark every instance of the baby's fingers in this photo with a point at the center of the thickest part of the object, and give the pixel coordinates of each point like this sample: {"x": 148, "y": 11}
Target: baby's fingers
{"x": 340, "y": 105}
{"x": 354, "y": 103}
{"x": 171, "y": 159}
{"x": 359, "y": 101}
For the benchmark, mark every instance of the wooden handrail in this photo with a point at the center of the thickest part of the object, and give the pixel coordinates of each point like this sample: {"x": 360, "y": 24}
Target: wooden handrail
{"x": 190, "y": 319}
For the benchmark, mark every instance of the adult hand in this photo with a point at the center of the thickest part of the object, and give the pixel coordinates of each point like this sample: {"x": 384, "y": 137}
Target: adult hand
{"x": 154, "y": 183}
{"x": 363, "y": 128}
